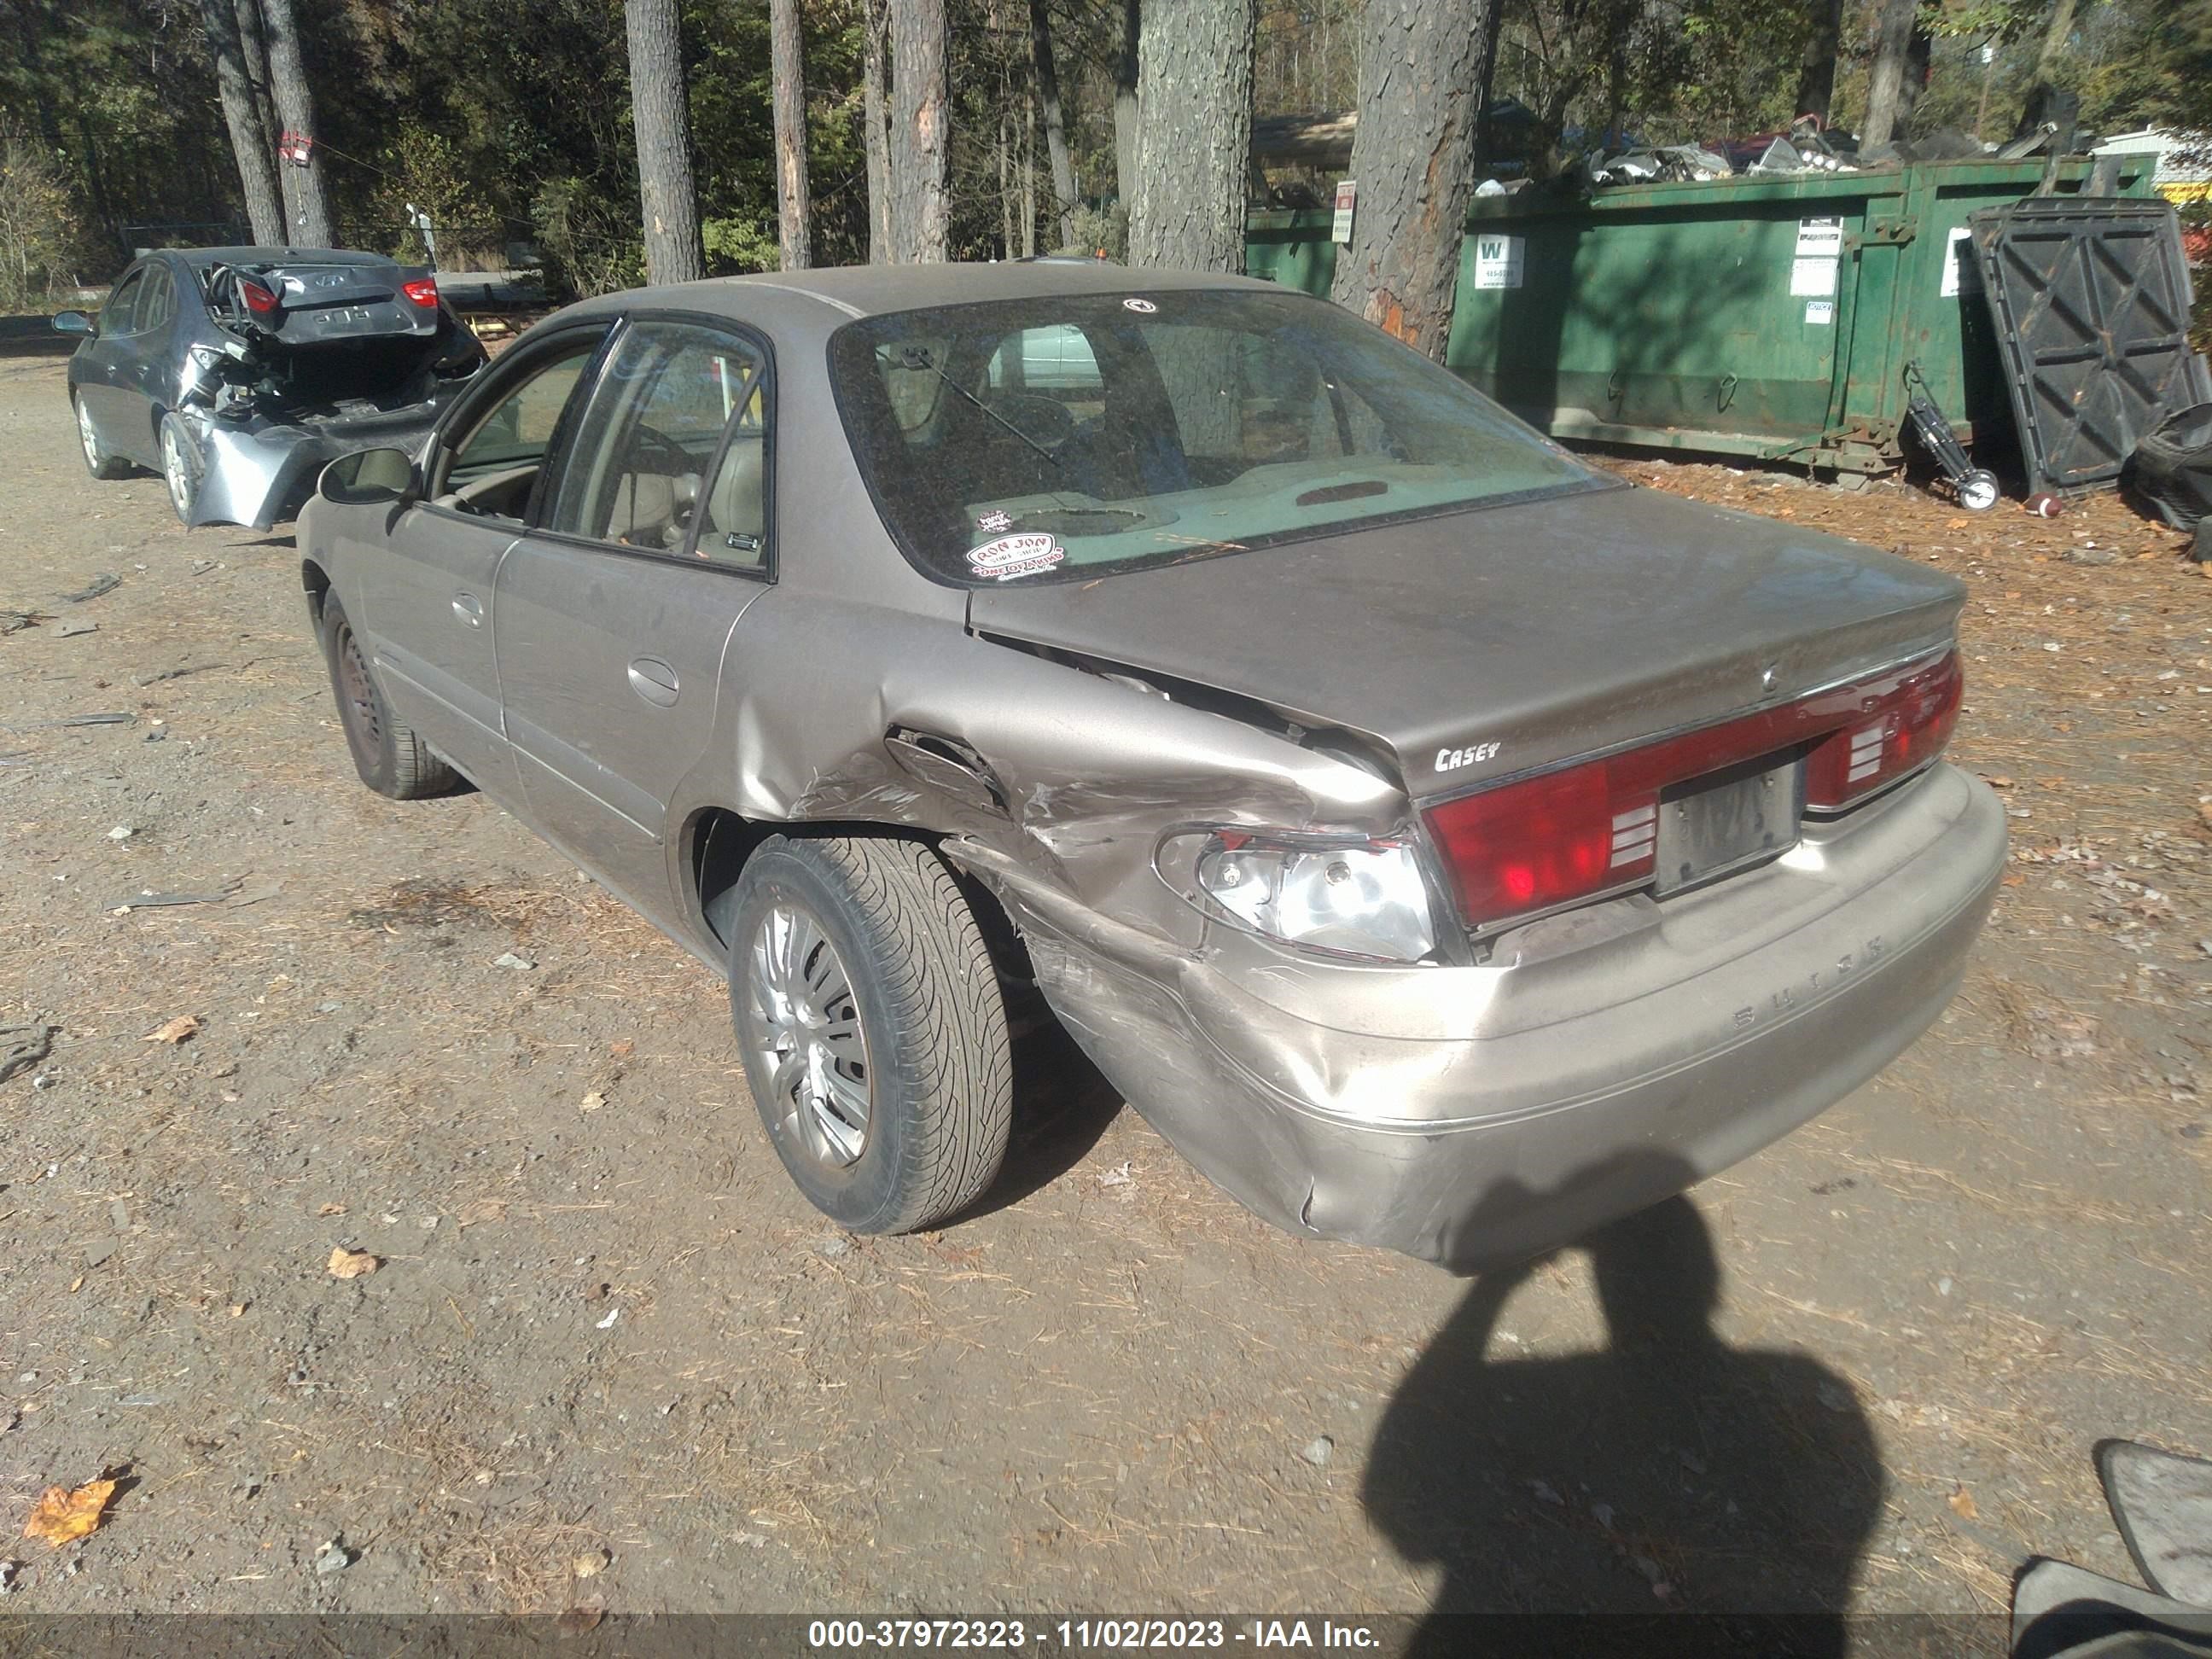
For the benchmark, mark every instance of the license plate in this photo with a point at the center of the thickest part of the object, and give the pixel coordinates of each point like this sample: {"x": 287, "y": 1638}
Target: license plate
{"x": 1711, "y": 825}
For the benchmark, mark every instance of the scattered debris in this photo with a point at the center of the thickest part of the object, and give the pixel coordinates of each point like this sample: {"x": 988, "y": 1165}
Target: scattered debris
{"x": 122, "y": 832}
{"x": 69, "y": 630}
{"x": 1545, "y": 1494}
{"x": 1962, "y": 1504}
{"x": 161, "y": 674}
{"x": 608, "y": 1323}
{"x": 152, "y": 901}
{"x": 172, "y": 1031}
{"x": 119, "y": 717}
{"x": 352, "y": 1264}
{"x": 591, "y": 1564}
{"x": 1119, "y": 1176}
{"x": 832, "y": 1244}
{"x": 103, "y": 581}
{"x": 334, "y": 1556}
{"x": 11, "y": 621}
{"x": 593, "y": 1102}
{"x": 62, "y": 1516}
{"x": 511, "y": 959}
{"x": 1318, "y": 1450}
{"x": 8, "y": 1571}
{"x": 483, "y": 1209}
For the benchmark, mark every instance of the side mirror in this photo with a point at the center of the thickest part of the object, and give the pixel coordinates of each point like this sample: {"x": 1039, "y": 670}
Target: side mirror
{"x": 370, "y": 478}
{"x": 73, "y": 322}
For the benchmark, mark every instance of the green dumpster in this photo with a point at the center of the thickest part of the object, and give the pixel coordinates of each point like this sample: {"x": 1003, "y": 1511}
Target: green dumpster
{"x": 1291, "y": 246}
{"x": 1761, "y": 316}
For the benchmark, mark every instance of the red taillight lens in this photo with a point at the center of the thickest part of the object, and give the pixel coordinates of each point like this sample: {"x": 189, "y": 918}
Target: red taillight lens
{"x": 259, "y": 298}
{"x": 423, "y": 290}
{"x": 1564, "y": 836}
{"x": 1902, "y": 724}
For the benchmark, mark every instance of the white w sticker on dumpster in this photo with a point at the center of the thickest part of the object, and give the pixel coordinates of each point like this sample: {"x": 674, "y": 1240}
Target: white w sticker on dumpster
{"x": 1498, "y": 261}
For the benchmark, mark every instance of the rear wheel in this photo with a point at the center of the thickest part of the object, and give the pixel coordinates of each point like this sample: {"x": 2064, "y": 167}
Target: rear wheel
{"x": 391, "y": 759}
{"x": 1977, "y": 491}
{"x": 182, "y": 465}
{"x": 97, "y": 460}
{"x": 873, "y": 1029}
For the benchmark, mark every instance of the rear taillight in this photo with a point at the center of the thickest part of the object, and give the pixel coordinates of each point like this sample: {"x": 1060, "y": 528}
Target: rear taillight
{"x": 1902, "y": 724}
{"x": 259, "y": 299}
{"x": 423, "y": 290}
{"x": 1593, "y": 828}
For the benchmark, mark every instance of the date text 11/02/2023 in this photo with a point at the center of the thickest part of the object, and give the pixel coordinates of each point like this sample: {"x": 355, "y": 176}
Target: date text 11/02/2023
{"x": 1086, "y": 1635}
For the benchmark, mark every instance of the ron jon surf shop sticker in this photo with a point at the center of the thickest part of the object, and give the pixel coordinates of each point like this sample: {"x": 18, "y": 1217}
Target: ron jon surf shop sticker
{"x": 1015, "y": 555}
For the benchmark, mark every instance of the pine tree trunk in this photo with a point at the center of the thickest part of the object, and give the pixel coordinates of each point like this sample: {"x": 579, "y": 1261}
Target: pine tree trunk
{"x": 1886, "y": 90}
{"x": 295, "y": 108}
{"x": 253, "y": 47}
{"x": 662, "y": 118}
{"x": 1816, "y": 73}
{"x": 788, "y": 73}
{"x": 257, "y": 167}
{"x": 1055, "y": 129}
{"x": 875, "y": 139}
{"x": 1194, "y": 85}
{"x": 1126, "y": 106}
{"x": 2057, "y": 35}
{"x": 921, "y": 213}
{"x": 1412, "y": 154}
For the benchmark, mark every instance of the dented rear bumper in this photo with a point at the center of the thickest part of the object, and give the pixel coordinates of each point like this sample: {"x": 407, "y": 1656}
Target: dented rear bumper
{"x": 1599, "y": 1063}
{"x": 260, "y": 471}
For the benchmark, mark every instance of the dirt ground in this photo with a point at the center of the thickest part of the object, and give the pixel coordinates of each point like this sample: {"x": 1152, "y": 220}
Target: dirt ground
{"x": 610, "y": 1358}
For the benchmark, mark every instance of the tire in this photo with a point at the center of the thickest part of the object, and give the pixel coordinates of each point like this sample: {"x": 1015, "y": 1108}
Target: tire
{"x": 907, "y": 992}
{"x": 1978, "y": 491}
{"x": 183, "y": 466}
{"x": 97, "y": 460}
{"x": 391, "y": 759}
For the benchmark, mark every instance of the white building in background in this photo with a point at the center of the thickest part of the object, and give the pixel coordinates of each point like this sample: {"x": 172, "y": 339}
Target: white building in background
{"x": 2184, "y": 172}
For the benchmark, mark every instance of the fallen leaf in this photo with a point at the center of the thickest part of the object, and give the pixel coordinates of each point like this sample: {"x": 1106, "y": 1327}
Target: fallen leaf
{"x": 592, "y": 1102}
{"x": 332, "y": 1209}
{"x": 352, "y": 1264}
{"x": 1962, "y": 1504}
{"x": 1996, "y": 781}
{"x": 62, "y": 1516}
{"x": 484, "y": 1209}
{"x": 589, "y": 1564}
{"x": 624, "y": 1049}
{"x": 172, "y": 1031}
{"x": 76, "y": 1284}
{"x": 238, "y": 1310}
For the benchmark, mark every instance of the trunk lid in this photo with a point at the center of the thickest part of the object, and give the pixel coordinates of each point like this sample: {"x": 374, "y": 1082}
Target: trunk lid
{"x": 1481, "y": 645}
{"x": 328, "y": 299}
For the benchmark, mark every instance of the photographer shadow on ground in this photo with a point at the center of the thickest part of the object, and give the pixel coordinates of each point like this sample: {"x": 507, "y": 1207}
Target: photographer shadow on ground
{"x": 1668, "y": 1474}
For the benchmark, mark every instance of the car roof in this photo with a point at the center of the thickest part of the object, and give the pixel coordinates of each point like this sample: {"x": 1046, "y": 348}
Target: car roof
{"x": 840, "y": 292}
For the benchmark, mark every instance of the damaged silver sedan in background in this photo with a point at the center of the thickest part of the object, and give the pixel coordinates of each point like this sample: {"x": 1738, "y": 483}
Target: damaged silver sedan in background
{"x": 238, "y": 373}
{"x": 1445, "y": 845}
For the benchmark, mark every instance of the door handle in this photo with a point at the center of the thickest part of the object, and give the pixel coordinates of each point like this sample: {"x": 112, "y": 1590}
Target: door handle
{"x": 469, "y": 609}
{"x": 654, "y": 680}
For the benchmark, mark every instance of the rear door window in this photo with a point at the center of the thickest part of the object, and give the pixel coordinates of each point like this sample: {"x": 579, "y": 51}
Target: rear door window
{"x": 651, "y": 438}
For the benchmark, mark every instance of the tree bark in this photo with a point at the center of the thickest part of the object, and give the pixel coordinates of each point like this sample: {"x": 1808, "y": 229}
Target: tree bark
{"x": 1194, "y": 86}
{"x": 1816, "y": 70}
{"x": 2057, "y": 37}
{"x": 875, "y": 138}
{"x": 788, "y": 73}
{"x": 254, "y": 46}
{"x": 921, "y": 203}
{"x": 1886, "y": 90}
{"x": 295, "y": 108}
{"x": 1412, "y": 154}
{"x": 1055, "y": 129}
{"x": 1126, "y": 105}
{"x": 257, "y": 167}
{"x": 669, "y": 205}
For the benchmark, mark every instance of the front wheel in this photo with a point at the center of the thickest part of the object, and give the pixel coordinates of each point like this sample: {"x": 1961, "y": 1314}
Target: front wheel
{"x": 182, "y": 466}
{"x": 389, "y": 757}
{"x": 873, "y": 1029}
{"x": 1977, "y": 491}
{"x": 97, "y": 460}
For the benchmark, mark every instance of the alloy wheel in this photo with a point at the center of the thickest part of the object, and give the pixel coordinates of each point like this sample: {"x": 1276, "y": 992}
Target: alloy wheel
{"x": 176, "y": 470}
{"x": 94, "y": 457}
{"x": 804, "y": 1023}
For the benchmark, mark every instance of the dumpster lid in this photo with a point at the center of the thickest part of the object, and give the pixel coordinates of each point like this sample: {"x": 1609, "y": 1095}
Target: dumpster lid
{"x": 2090, "y": 300}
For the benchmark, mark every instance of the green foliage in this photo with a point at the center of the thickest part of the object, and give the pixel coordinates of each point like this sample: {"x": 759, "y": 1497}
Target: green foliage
{"x": 591, "y": 245}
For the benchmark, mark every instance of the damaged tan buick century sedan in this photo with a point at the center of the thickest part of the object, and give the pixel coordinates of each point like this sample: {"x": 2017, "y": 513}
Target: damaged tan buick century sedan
{"x": 1445, "y": 845}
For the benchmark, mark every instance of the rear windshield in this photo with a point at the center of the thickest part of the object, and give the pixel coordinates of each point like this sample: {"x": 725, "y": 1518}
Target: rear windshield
{"x": 1070, "y": 436}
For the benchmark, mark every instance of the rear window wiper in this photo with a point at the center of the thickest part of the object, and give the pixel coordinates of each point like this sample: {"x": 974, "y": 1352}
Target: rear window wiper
{"x": 918, "y": 357}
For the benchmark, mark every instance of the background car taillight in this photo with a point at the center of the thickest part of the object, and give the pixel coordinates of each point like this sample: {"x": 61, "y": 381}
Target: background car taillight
{"x": 423, "y": 290}
{"x": 1904, "y": 728}
{"x": 1592, "y": 828}
{"x": 260, "y": 299}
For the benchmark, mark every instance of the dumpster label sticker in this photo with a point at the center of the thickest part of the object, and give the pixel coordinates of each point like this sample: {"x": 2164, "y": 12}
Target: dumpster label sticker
{"x": 1498, "y": 260}
{"x": 1820, "y": 312}
{"x": 1812, "y": 266}
{"x": 1960, "y": 274}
